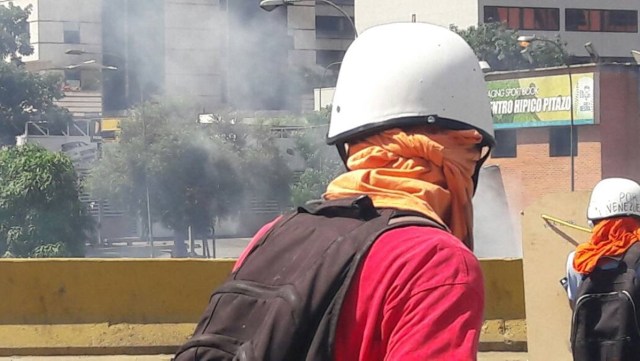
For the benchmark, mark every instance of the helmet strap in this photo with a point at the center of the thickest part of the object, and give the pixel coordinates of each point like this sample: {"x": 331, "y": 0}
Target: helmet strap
{"x": 476, "y": 173}
{"x": 342, "y": 150}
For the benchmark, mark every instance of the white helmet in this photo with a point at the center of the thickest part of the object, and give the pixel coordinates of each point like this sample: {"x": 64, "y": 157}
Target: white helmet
{"x": 405, "y": 74}
{"x": 613, "y": 197}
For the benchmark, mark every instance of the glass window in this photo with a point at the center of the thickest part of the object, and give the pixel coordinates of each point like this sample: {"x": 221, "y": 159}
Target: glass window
{"x": 560, "y": 140}
{"x": 546, "y": 19}
{"x": 524, "y": 18}
{"x": 620, "y": 21}
{"x": 326, "y": 57}
{"x": 506, "y": 144}
{"x": 514, "y": 18}
{"x": 333, "y": 27}
{"x": 71, "y": 32}
{"x": 72, "y": 80}
{"x": 528, "y": 21}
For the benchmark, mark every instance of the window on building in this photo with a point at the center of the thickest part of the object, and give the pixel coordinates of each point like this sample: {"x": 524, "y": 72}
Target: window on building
{"x": 560, "y": 141}
{"x": 333, "y": 27}
{"x": 617, "y": 21}
{"x": 506, "y": 144}
{"x": 524, "y": 18}
{"x": 72, "y": 80}
{"x": 326, "y": 57}
{"x": 71, "y": 32}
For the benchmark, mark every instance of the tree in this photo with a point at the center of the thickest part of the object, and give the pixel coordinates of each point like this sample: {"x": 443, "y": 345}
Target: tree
{"x": 14, "y": 38}
{"x": 323, "y": 163}
{"x": 194, "y": 173}
{"x": 24, "y": 96}
{"x": 41, "y": 214}
{"x": 498, "y": 45}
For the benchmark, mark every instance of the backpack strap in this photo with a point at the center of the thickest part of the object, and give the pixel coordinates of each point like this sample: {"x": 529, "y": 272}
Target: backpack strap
{"x": 415, "y": 218}
{"x": 360, "y": 207}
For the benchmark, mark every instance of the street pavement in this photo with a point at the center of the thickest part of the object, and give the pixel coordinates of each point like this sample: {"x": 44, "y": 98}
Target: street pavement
{"x": 483, "y": 356}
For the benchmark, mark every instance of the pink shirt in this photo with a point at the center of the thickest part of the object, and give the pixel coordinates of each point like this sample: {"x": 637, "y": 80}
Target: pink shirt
{"x": 418, "y": 295}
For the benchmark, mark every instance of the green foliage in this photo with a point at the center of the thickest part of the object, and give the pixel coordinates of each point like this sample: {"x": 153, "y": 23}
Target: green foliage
{"x": 14, "y": 37}
{"x": 40, "y": 212}
{"x": 323, "y": 163}
{"x": 24, "y": 95}
{"x": 194, "y": 172}
{"x": 57, "y": 250}
{"x": 498, "y": 45}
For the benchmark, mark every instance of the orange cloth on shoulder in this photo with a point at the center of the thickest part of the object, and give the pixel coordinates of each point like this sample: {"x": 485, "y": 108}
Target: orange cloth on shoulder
{"x": 610, "y": 237}
{"x": 427, "y": 170}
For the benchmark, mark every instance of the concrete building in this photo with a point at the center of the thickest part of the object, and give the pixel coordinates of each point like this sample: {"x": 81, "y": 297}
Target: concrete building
{"x": 218, "y": 54}
{"x": 612, "y": 26}
{"x": 534, "y": 130}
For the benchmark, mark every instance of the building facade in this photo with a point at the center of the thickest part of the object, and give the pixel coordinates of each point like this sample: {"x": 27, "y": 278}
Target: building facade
{"x": 534, "y": 149}
{"x": 611, "y": 27}
{"x": 216, "y": 53}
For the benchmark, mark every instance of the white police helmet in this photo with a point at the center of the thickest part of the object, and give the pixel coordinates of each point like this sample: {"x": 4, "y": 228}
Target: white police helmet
{"x": 613, "y": 197}
{"x": 405, "y": 74}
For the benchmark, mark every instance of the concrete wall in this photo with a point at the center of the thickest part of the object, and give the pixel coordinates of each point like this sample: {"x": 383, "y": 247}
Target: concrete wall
{"x": 110, "y": 306}
{"x": 620, "y": 112}
{"x": 545, "y": 249}
{"x": 369, "y": 13}
{"x": 195, "y": 33}
{"x": 99, "y": 290}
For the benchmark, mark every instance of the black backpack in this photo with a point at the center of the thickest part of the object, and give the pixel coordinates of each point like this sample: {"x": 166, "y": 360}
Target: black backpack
{"x": 284, "y": 300}
{"x": 605, "y": 315}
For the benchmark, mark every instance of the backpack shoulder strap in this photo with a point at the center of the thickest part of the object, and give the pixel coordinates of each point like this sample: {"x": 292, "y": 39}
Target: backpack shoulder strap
{"x": 402, "y": 217}
{"x": 418, "y": 221}
{"x": 353, "y": 207}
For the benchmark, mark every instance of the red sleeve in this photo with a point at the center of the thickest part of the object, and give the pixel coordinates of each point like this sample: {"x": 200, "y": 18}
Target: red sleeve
{"x": 441, "y": 316}
{"x": 418, "y": 295}
{"x": 261, "y": 232}
{"x": 448, "y": 329}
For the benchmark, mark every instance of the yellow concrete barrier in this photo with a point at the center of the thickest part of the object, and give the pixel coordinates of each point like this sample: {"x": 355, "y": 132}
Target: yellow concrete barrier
{"x": 504, "y": 289}
{"x": 76, "y": 291}
{"x": 136, "y": 306}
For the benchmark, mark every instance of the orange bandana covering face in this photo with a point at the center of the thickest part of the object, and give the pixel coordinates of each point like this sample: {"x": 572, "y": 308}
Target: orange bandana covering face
{"x": 610, "y": 237}
{"x": 428, "y": 171}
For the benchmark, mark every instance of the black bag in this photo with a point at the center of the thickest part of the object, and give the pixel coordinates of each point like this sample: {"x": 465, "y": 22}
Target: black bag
{"x": 605, "y": 315}
{"x": 283, "y": 302}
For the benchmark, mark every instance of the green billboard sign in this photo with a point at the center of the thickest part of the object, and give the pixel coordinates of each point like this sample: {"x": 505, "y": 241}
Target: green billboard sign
{"x": 542, "y": 101}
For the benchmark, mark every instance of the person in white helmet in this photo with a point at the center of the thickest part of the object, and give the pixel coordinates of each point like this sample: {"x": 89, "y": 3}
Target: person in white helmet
{"x": 614, "y": 214}
{"x": 601, "y": 282}
{"x": 412, "y": 122}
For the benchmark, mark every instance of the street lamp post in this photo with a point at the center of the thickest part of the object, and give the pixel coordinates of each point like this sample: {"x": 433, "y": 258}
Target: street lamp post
{"x": 142, "y": 118}
{"x": 525, "y": 41}
{"x": 324, "y": 73}
{"x": 269, "y": 5}
{"x": 96, "y": 66}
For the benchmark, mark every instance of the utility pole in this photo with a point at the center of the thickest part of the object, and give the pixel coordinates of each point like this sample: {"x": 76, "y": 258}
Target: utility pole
{"x": 146, "y": 180}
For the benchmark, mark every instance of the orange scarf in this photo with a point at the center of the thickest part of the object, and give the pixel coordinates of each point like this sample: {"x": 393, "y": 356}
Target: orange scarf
{"x": 428, "y": 171}
{"x": 610, "y": 237}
